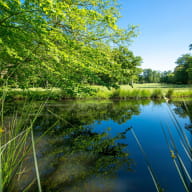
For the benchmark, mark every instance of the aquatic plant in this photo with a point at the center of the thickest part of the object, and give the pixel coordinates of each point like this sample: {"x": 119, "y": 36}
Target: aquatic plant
{"x": 157, "y": 94}
{"x": 182, "y": 93}
{"x": 15, "y": 144}
{"x": 169, "y": 93}
{"x": 35, "y": 162}
{"x": 183, "y": 172}
{"x": 140, "y": 91}
{"x": 149, "y": 167}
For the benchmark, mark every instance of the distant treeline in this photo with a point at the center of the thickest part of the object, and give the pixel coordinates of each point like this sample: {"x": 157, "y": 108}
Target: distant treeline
{"x": 182, "y": 73}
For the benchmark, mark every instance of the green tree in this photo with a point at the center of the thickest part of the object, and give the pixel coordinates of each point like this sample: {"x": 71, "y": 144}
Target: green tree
{"x": 128, "y": 65}
{"x": 54, "y": 43}
{"x": 167, "y": 77}
{"x": 183, "y": 72}
{"x": 190, "y": 47}
{"x": 156, "y": 76}
{"x": 150, "y": 76}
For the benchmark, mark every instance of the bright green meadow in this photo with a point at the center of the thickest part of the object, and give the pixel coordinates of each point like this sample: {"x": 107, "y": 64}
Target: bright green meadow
{"x": 140, "y": 91}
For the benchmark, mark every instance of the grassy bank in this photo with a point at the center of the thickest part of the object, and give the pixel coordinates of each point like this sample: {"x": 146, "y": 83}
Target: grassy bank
{"x": 140, "y": 91}
{"x": 33, "y": 94}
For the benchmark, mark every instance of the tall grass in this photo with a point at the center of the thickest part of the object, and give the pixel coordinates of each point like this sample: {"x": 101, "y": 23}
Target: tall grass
{"x": 184, "y": 174}
{"x": 137, "y": 94}
{"x": 140, "y": 91}
{"x": 15, "y": 145}
{"x": 177, "y": 160}
{"x": 149, "y": 167}
{"x": 125, "y": 92}
{"x": 2, "y": 130}
{"x": 16, "y": 135}
{"x": 35, "y": 162}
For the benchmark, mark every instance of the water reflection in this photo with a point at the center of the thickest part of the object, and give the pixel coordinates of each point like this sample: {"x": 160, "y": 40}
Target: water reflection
{"x": 78, "y": 158}
{"x": 82, "y": 113}
{"x": 184, "y": 109}
{"x": 76, "y": 152}
{"x": 71, "y": 156}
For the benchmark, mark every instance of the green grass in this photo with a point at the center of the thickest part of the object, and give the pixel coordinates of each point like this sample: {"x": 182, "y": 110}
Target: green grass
{"x": 146, "y": 91}
{"x": 140, "y": 91}
{"x": 16, "y": 137}
{"x": 160, "y": 85}
{"x": 182, "y": 170}
{"x": 14, "y": 140}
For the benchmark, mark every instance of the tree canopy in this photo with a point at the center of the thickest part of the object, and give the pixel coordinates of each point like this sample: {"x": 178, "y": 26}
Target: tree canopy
{"x": 150, "y": 76}
{"x": 183, "y": 71}
{"x": 63, "y": 43}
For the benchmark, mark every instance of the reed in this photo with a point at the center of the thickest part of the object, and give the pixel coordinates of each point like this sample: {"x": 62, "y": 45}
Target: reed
{"x": 182, "y": 93}
{"x": 169, "y": 93}
{"x": 140, "y": 91}
{"x": 157, "y": 94}
{"x": 36, "y": 162}
{"x": 183, "y": 173}
{"x": 15, "y": 145}
{"x": 149, "y": 167}
{"x": 177, "y": 160}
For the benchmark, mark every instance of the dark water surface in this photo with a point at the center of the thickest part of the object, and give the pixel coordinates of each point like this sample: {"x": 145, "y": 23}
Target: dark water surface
{"x": 113, "y": 146}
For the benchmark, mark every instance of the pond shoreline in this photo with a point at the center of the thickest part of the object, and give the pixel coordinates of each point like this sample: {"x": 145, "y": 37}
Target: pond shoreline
{"x": 82, "y": 139}
{"x": 114, "y": 94}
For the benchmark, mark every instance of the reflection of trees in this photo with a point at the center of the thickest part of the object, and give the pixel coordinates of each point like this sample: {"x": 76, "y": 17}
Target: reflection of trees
{"x": 184, "y": 109}
{"x": 99, "y": 155}
{"x": 81, "y": 113}
{"x": 71, "y": 156}
{"x": 76, "y": 157}
{"x": 77, "y": 113}
{"x": 19, "y": 114}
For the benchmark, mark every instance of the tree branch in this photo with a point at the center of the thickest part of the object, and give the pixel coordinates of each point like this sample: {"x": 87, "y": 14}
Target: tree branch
{"x": 15, "y": 14}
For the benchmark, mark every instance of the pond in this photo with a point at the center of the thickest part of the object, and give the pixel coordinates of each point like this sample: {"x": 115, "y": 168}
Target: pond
{"x": 111, "y": 146}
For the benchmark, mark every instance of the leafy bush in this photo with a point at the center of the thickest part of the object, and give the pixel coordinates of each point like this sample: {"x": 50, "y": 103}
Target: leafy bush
{"x": 157, "y": 94}
{"x": 169, "y": 93}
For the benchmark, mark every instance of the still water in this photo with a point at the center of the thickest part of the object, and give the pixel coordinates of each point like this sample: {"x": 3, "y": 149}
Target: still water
{"x": 113, "y": 146}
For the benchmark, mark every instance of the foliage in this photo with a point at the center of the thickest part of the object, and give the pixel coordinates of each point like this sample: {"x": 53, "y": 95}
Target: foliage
{"x": 167, "y": 77}
{"x": 183, "y": 72}
{"x": 181, "y": 167}
{"x": 70, "y": 153}
{"x": 129, "y": 70}
{"x": 140, "y": 91}
{"x": 65, "y": 44}
{"x": 145, "y": 91}
{"x": 150, "y": 76}
{"x": 157, "y": 94}
{"x": 190, "y": 47}
{"x": 15, "y": 144}
{"x": 170, "y": 93}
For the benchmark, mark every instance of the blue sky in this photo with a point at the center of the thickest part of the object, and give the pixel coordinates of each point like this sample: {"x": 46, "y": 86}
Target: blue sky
{"x": 165, "y": 30}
